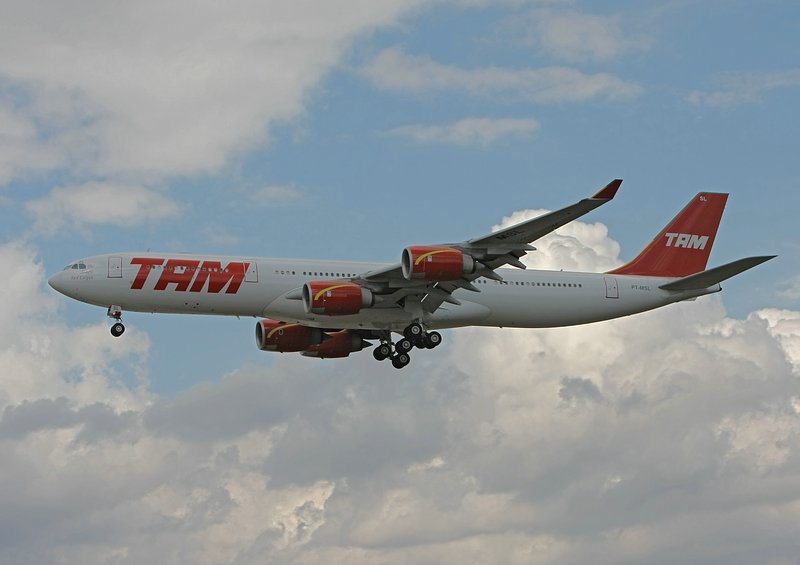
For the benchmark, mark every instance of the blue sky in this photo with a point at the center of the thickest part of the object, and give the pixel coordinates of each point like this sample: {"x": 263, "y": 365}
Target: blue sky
{"x": 350, "y": 130}
{"x": 694, "y": 107}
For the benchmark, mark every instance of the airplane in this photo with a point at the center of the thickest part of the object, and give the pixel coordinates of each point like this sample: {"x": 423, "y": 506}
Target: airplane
{"x": 330, "y": 309}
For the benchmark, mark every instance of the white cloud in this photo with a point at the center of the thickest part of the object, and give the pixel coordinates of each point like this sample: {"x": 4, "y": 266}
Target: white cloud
{"x": 96, "y": 203}
{"x": 22, "y": 144}
{"x": 148, "y": 89}
{"x": 735, "y": 88}
{"x": 469, "y": 131}
{"x": 220, "y": 236}
{"x": 275, "y": 195}
{"x": 43, "y": 358}
{"x": 574, "y": 36}
{"x": 392, "y": 69}
{"x": 577, "y": 246}
{"x": 668, "y": 433}
{"x": 791, "y": 288}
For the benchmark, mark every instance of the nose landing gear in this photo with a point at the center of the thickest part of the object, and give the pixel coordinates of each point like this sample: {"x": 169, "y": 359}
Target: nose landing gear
{"x": 118, "y": 328}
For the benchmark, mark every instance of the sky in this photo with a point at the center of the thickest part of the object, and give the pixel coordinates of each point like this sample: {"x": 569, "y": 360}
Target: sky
{"x": 349, "y": 129}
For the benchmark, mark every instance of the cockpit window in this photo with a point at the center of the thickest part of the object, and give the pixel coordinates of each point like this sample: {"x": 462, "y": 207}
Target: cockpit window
{"x": 78, "y": 265}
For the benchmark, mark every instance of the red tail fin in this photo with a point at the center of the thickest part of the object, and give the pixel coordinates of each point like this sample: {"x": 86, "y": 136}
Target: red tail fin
{"x": 682, "y": 248}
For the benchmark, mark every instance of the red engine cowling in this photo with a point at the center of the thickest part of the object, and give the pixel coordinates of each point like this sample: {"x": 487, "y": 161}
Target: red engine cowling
{"x": 436, "y": 263}
{"x": 272, "y": 335}
{"x": 339, "y": 344}
{"x": 335, "y": 298}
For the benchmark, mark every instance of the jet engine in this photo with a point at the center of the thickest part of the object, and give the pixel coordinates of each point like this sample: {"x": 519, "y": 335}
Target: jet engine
{"x": 336, "y": 298}
{"x": 339, "y": 344}
{"x": 436, "y": 263}
{"x": 272, "y": 335}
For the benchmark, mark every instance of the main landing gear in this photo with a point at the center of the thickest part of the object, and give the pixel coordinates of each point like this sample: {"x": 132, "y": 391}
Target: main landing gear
{"x": 118, "y": 328}
{"x": 413, "y": 336}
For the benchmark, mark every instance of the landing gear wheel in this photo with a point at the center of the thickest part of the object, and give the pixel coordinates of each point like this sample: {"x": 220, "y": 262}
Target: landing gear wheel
{"x": 433, "y": 339}
{"x": 401, "y": 360}
{"x": 115, "y": 312}
{"x": 381, "y": 352}
{"x": 404, "y": 345}
{"x": 414, "y": 331}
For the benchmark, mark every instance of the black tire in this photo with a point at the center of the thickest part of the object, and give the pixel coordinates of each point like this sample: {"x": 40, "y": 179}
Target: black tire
{"x": 117, "y": 329}
{"x": 382, "y": 351}
{"x": 433, "y": 339}
{"x": 414, "y": 331}
{"x": 401, "y": 360}
{"x": 404, "y": 345}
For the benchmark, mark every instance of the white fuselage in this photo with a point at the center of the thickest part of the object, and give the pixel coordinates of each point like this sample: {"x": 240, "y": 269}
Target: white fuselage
{"x": 525, "y": 298}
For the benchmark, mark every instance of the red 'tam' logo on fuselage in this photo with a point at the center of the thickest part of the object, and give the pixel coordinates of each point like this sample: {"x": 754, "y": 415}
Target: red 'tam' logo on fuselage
{"x": 190, "y": 274}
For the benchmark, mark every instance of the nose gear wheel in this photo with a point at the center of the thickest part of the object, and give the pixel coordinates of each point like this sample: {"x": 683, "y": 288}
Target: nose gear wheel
{"x": 118, "y": 328}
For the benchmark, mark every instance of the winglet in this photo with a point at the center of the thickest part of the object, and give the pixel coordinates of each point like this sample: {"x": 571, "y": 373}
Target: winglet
{"x": 608, "y": 192}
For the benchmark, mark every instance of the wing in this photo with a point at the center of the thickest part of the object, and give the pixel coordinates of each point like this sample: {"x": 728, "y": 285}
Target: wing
{"x": 397, "y": 284}
{"x": 509, "y": 244}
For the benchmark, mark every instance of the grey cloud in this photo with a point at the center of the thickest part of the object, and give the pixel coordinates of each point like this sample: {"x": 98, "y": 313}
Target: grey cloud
{"x": 351, "y": 424}
{"x": 97, "y": 421}
{"x": 673, "y": 433}
{"x": 32, "y": 416}
{"x": 577, "y": 389}
{"x": 245, "y": 400}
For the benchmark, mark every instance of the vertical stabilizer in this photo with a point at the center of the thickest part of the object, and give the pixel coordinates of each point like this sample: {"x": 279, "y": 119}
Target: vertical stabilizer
{"x": 683, "y": 247}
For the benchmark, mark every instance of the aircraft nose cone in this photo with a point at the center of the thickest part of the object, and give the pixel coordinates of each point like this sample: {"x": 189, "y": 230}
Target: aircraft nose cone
{"x": 56, "y": 282}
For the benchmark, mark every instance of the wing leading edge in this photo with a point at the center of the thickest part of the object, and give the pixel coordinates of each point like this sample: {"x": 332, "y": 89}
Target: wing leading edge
{"x": 489, "y": 252}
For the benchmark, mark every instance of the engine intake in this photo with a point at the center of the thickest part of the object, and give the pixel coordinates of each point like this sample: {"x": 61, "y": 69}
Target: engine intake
{"x": 436, "y": 263}
{"x": 336, "y": 298}
{"x": 272, "y": 335}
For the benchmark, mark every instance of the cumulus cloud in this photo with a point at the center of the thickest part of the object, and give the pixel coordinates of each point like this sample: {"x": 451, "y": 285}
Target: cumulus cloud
{"x": 668, "y": 433}
{"x": 736, "y": 88}
{"x": 574, "y": 247}
{"x": 392, "y": 69}
{"x": 96, "y": 203}
{"x": 469, "y": 131}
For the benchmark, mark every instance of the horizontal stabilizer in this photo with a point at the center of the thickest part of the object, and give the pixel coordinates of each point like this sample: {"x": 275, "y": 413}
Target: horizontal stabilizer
{"x": 708, "y": 278}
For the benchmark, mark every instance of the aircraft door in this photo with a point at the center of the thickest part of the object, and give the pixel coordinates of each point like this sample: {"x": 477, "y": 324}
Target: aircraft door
{"x": 115, "y": 267}
{"x": 612, "y": 290}
{"x": 252, "y": 273}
